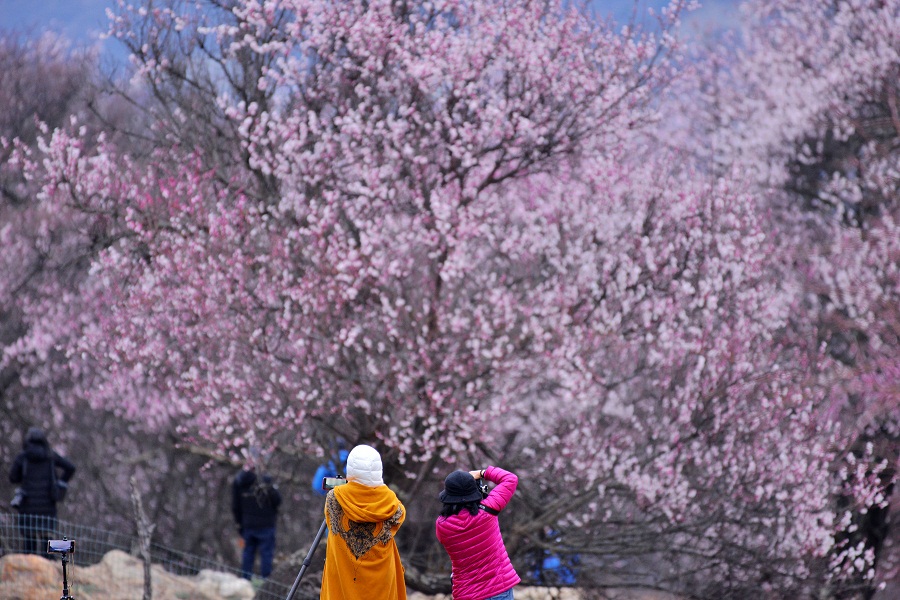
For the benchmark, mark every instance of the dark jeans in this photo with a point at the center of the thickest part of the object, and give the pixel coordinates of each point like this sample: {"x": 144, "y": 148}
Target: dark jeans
{"x": 262, "y": 539}
{"x": 36, "y": 531}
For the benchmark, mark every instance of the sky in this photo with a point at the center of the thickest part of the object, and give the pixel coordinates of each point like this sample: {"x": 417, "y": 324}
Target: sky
{"x": 85, "y": 20}
{"x": 82, "y": 20}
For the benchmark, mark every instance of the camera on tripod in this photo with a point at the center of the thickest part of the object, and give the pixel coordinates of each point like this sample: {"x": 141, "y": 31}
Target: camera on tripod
{"x": 60, "y": 546}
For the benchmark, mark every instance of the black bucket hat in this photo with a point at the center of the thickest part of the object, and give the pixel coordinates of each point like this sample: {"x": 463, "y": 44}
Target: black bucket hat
{"x": 460, "y": 487}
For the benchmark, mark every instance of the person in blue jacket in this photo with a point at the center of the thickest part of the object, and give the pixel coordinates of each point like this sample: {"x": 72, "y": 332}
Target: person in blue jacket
{"x": 335, "y": 467}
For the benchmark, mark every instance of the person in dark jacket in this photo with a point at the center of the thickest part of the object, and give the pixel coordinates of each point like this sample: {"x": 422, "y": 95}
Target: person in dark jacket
{"x": 254, "y": 503}
{"x": 39, "y": 471}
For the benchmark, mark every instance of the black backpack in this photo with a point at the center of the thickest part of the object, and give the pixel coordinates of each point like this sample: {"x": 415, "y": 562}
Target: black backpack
{"x": 262, "y": 491}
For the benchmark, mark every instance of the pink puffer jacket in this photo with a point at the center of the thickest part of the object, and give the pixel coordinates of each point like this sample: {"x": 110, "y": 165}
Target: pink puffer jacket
{"x": 481, "y": 566}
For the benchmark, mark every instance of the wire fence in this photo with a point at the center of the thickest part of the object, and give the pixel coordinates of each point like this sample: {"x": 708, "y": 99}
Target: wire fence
{"x": 30, "y": 535}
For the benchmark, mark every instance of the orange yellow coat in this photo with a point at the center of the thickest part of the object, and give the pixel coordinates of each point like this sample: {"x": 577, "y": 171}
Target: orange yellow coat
{"x": 362, "y": 561}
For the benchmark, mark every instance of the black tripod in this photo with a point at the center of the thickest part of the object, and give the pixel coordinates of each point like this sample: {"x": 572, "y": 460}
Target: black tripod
{"x": 303, "y": 566}
{"x": 65, "y": 559}
{"x": 65, "y": 596}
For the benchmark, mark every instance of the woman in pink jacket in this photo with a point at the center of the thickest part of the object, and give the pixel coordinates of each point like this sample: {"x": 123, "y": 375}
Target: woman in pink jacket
{"x": 470, "y": 532}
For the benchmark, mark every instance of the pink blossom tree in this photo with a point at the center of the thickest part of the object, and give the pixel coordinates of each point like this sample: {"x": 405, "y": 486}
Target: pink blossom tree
{"x": 807, "y": 106}
{"x": 362, "y": 163}
{"x": 46, "y": 256}
{"x": 43, "y": 81}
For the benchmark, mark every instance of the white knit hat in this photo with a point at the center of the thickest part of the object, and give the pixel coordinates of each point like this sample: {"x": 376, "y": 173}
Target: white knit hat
{"x": 364, "y": 466}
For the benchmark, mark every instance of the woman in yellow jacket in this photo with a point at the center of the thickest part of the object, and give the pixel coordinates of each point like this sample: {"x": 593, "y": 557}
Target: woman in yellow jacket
{"x": 361, "y": 560}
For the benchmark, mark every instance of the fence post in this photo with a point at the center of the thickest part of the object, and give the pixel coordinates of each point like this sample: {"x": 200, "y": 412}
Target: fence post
{"x": 145, "y": 532}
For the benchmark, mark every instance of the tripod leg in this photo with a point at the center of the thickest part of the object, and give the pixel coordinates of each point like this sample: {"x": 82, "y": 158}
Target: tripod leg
{"x": 308, "y": 559}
